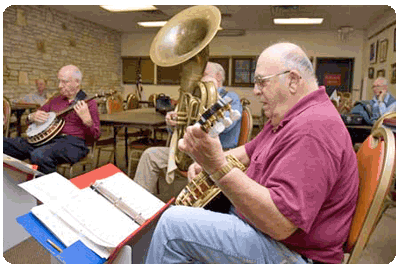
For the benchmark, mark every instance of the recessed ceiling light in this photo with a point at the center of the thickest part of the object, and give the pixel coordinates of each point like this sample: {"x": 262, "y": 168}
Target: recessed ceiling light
{"x": 152, "y": 23}
{"x": 299, "y": 21}
{"x": 122, "y": 8}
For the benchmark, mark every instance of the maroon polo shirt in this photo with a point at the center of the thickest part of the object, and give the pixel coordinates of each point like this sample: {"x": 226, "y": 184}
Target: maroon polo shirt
{"x": 310, "y": 168}
{"x": 73, "y": 123}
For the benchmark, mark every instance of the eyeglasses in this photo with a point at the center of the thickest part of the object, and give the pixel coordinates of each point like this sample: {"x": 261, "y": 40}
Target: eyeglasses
{"x": 64, "y": 82}
{"x": 258, "y": 81}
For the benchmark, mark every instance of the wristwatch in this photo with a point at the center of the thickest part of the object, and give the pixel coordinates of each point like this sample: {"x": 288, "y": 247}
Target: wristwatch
{"x": 232, "y": 163}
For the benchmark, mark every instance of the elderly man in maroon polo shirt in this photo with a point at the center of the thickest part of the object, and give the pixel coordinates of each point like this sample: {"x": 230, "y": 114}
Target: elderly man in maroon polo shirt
{"x": 80, "y": 124}
{"x": 294, "y": 203}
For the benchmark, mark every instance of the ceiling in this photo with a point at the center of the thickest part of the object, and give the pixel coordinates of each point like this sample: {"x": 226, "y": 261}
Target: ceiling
{"x": 235, "y": 17}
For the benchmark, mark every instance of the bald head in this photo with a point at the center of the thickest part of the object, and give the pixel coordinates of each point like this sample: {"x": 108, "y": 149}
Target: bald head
{"x": 70, "y": 78}
{"x": 287, "y": 56}
{"x": 71, "y": 71}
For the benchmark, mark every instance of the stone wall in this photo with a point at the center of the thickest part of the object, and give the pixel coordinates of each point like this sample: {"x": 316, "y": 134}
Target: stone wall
{"x": 38, "y": 41}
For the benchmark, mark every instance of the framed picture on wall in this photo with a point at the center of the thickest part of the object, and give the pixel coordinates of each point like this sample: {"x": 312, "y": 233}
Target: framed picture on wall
{"x": 373, "y": 48}
{"x": 394, "y": 40}
{"x": 393, "y": 74}
{"x": 371, "y": 72}
{"x": 380, "y": 73}
{"x": 383, "y": 48}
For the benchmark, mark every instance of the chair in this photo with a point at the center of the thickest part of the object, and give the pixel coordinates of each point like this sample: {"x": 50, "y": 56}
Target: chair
{"x": 152, "y": 99}
{"x": 132, "y": 101}
{"x": 114, "y": 104}
{"x": 68, "y": 169}
{"x": 246, "y": 127}
{"x": 376, "y": 164}
{"x": 378, "y": 123}
{"x": 6, "y": 117}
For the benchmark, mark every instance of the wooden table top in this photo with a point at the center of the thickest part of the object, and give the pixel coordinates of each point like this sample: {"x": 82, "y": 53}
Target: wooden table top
{"x": 24, "y": 105}
{"x": 143, "y": 116}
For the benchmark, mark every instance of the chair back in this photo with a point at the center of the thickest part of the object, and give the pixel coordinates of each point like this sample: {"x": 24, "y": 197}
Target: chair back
{"x": 152, "y": 100}
{"x": 132, "y": 101}
{"x": 376, "y": 163}
{"x": 378, "y": 123}
{"x": 114, "y": 104}
{"x": 246, "y": 126}
{"x": 6, "y": 117}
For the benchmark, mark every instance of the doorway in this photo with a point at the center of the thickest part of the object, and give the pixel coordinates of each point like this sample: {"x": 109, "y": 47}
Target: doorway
{"x": 335, "y": 74}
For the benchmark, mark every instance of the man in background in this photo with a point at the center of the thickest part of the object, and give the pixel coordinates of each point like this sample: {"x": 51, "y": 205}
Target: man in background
{"x": 153, "y": 163}
{"x": 39, "y": 97}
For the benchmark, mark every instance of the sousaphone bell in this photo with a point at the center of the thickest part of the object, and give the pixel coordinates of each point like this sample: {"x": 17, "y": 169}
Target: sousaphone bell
{"x": 184, "y": 40}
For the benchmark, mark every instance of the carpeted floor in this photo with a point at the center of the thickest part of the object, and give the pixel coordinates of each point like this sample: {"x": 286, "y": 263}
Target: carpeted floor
{"x": 27, "y": 252}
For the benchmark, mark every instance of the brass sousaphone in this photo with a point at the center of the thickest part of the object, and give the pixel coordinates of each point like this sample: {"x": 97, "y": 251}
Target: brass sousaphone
{"x": 184, "y": 40}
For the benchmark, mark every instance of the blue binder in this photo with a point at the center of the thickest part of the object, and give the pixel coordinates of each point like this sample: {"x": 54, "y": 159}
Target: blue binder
{"x": 77, "y": 253}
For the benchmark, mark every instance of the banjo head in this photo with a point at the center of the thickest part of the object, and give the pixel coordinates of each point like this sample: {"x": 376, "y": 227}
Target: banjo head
{"x": 35, "y": 129}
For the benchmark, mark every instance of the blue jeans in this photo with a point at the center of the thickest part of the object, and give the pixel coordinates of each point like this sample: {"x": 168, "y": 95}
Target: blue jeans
{"x": 195, "y": 235}
{"x": 61, "y": 149}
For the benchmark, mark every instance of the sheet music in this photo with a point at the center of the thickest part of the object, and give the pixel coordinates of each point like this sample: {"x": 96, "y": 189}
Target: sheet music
{"x": 100, "y": 218}
{"x": 82, "y": 214}
{"x": 50, "y": 188}
{"x": 58, "y": 227}
{"x": 131, "y": 193}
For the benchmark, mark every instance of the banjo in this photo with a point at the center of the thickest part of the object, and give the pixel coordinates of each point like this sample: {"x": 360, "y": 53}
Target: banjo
{"x": 39, "y": 134}
{"x": 201, "y": 190}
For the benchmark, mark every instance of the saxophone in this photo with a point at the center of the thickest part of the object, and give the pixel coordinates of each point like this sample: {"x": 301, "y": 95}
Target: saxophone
{"x": 184, "y": 40}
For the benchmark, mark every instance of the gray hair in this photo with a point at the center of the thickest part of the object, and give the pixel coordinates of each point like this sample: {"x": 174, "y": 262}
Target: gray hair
{"x": 75, "y": 73}
{"x": 301, "y": 63}
{"x": 383, "y": 80}
{"x": 217, "y": 69}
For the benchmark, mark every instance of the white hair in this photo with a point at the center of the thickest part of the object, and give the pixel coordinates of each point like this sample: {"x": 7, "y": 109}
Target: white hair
{"x": 292, "y": 57}
{"x": 217, "y": 68}
{"x": 74, "y": 72}
{"x": 301, "y": 63}
{"x": 383, "y": 80}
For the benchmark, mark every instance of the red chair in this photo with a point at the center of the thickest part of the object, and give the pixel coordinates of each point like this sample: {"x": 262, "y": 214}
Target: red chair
{"x": 376, "y": 165}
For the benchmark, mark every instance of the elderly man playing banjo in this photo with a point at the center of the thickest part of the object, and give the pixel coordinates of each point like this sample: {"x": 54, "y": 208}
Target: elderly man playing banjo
{"x": 80, "y": 124}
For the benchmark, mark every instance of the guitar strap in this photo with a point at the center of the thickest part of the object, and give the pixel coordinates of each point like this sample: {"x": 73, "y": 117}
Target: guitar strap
{"x": 81, "y": 95}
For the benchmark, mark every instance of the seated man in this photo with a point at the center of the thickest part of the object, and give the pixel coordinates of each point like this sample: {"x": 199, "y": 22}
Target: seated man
{"x": 295, "y": 202}
{"x": 80, "y": 124}
{"x": 383, "y": 102}
{"x": 154, "y": 161}
{"x": 38, "y": 97}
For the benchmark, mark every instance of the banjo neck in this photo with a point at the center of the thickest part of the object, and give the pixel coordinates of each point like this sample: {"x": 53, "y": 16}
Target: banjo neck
{"x": 70, "y": 108}
{"x": 112, "y": 92}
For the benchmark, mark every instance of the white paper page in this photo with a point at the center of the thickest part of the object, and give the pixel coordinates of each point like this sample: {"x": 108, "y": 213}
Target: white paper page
{"x": 134, "y": 195}
{"x": 56, "y": 225}
{"x": 71, "y": 222}
{"x": 50, "y": 188}
{"x": 101, "y": 221}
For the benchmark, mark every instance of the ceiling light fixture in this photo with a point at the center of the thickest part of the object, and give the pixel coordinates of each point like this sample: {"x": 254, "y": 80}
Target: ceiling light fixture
{"x": 125, "y": 8}
{"x": 298, "y": 21}
{"x": 158, "y": 24}
{"x": 152, "y": 23}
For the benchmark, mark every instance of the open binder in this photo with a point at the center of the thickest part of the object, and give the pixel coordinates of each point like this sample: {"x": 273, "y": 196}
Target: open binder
{"x": 90, "y": 218}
